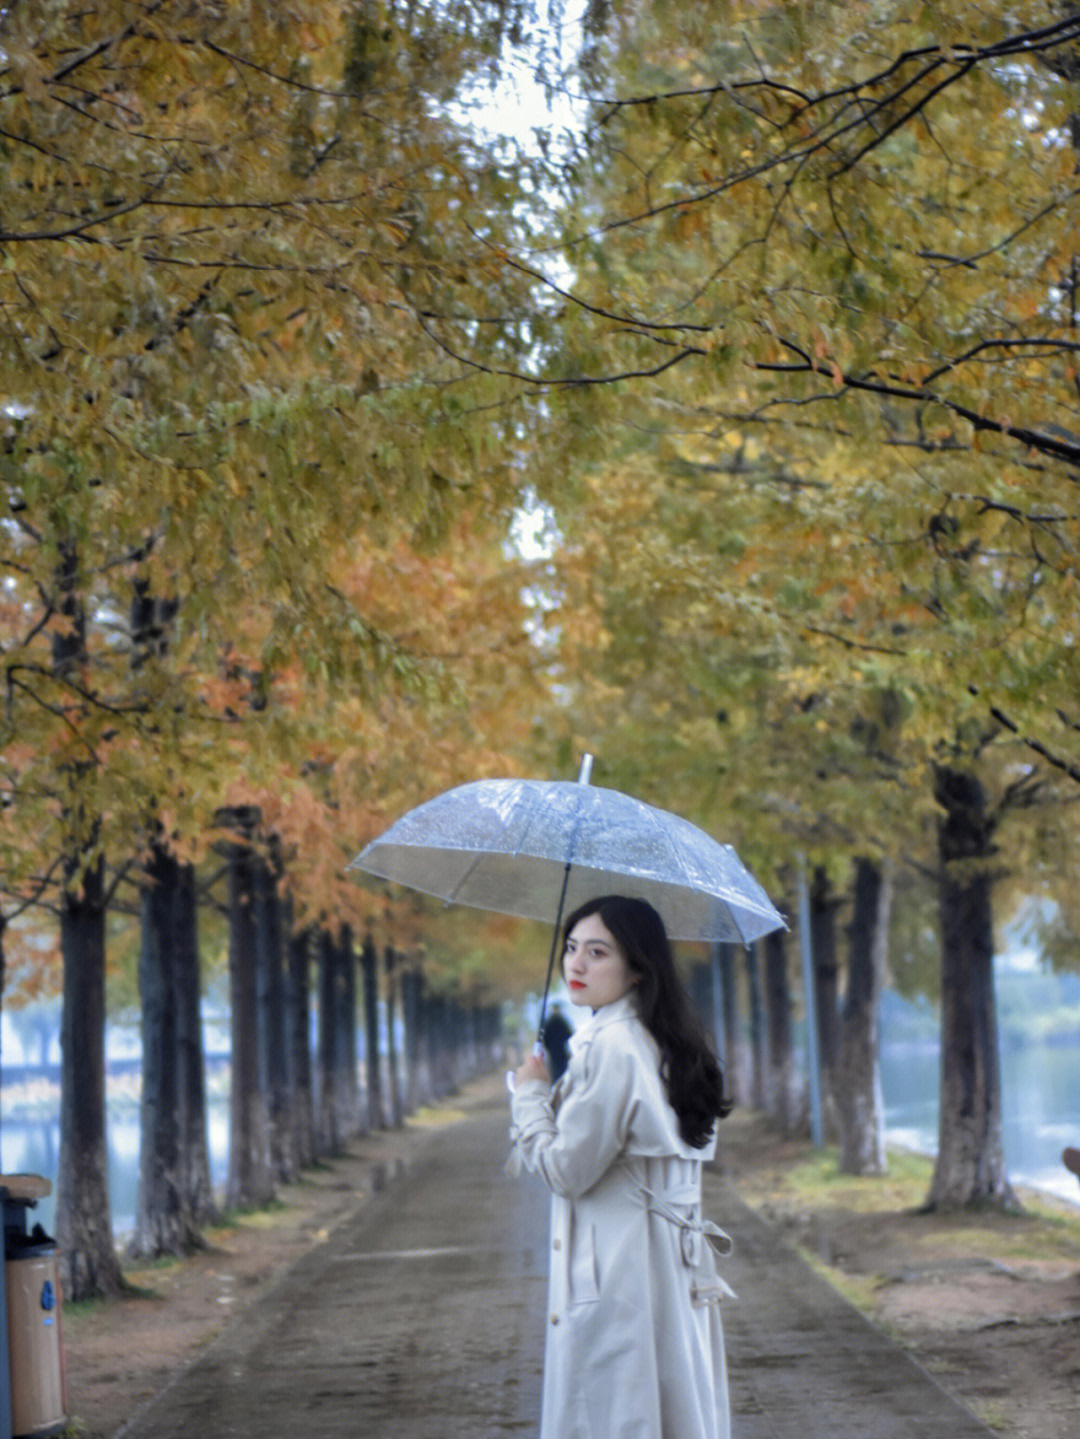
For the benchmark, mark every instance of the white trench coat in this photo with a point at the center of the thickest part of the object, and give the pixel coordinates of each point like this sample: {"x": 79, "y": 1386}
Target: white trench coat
{"x": 635, "y": 1348}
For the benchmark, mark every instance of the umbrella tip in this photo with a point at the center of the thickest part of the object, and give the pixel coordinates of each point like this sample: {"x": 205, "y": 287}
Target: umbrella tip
{"x": 586, "y": 769}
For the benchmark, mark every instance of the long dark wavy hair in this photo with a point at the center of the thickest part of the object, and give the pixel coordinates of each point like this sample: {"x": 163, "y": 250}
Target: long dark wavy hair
{"x": 688, "y": 1064}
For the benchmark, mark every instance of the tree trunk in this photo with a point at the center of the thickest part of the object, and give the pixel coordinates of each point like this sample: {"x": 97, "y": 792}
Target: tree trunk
{"x": 757, "y": 1028}
{"x": 88, "y": 1262}
{"x": 353, "y": 1120}
{"x": 860, "y": 1109}
{"x": 196, "y": 1190}
{"x": 369, "y": 971}
{"x": 84, "y": 1233}
{"x": 175, "y": 1198}
{"x": 250, "y": 1181}
{"x": 823, "y": 947}
{"x": 328, "y": 1115}
{"x": 441, "y": 1026}
{"x": 300, "y": 1097}
{"x": 433, "y": 1038}
{"x": 489, "y": 1029}
{"x": 393, "y": 1070}
{"x": 160, "y": 1223}
{"x": 466, "y": 1050}
{"x": 270, "y": 1029}
{"x": 411, "y": 986}
{"x": 733, "y": 1051}
{"x": 970, "y": 1167}
{"x": 703, "y": 1000}
{"x": 780, "y": 1072}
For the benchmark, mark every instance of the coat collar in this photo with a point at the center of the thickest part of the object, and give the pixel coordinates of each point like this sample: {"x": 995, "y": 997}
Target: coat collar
{"x": 617, "y": 1012}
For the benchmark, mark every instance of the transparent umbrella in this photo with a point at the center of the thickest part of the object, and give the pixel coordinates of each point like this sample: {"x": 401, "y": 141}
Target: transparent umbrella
{"x": 536, "y": 848}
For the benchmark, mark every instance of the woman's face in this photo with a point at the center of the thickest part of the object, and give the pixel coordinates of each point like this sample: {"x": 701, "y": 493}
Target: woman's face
{"x": 594, "y": 967}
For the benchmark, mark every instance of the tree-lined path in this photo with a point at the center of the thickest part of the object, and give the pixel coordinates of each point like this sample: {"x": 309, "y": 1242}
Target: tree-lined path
{"x": 769, "y": 341}
{"x": 422, "y": 1316}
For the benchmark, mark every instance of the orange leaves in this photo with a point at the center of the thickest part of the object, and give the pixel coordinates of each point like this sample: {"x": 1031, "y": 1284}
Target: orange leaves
{"x": 232, "y": 394}
{"x": 691, "y": 223}
{"x": 32, "y": 963}
{"x": 854, "y": 596}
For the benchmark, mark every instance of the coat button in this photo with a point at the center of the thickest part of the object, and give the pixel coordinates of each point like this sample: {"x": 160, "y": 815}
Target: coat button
{"x": 554, "y": 1319}
{"x": 557, "y": 1244}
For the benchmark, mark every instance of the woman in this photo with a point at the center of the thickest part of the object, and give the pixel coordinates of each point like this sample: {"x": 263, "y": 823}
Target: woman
{"x": 634, "y": 1342}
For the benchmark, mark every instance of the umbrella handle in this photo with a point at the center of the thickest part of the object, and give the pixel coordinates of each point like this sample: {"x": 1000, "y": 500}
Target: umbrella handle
{"x": 511, "y": 1080}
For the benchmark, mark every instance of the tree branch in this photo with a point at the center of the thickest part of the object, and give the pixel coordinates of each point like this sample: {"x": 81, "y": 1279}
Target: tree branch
{"x": 1062, "y": 447}
{"x": 1067, "y": 767}
{"x": 551, "y": 381}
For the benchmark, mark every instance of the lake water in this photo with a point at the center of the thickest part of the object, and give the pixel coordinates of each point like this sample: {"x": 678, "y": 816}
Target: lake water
{"x": 1040, "y": 1102}
{"x": 1040, "y": 1097}
{"x": 30, "y": 1144}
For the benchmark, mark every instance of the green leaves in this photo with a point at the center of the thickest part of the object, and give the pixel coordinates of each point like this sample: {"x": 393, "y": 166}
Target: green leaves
{"x": 237, "y": 255}
{"x": 851, "y": 518}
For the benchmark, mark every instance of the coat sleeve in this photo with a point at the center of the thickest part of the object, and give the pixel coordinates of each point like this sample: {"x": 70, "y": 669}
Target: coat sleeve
{"x": 573, "y": 1149}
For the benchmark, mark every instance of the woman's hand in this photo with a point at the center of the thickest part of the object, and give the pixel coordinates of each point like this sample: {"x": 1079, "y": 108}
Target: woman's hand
{"x": 535, "y": 1067}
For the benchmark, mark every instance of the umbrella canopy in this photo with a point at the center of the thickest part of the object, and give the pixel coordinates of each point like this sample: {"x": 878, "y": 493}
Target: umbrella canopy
{"x": 513, "y": 845}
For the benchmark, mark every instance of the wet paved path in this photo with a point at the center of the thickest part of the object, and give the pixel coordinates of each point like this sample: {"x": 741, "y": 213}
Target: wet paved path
{"x": 421, "y": 1317}
{"x": 805, "y": 1364}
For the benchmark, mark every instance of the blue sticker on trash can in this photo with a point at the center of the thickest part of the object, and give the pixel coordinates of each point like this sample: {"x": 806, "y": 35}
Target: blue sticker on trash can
{"x": 48, "y": 1295}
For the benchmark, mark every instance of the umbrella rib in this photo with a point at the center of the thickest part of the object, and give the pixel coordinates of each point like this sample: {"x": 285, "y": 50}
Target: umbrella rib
{"x": 465, "y": 877}
{"x": 530, "y": 818}
{"x": 482, "y": 854}
{"x": 673, "y": 842}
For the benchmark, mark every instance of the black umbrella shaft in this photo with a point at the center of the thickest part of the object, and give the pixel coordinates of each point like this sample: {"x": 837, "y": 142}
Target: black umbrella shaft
{"x": 554, "y": 951}
{"x": 583, "y": 778}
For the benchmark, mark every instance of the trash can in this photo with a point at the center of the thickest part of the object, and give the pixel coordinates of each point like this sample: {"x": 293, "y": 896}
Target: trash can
{"x": 32, "y": 1285}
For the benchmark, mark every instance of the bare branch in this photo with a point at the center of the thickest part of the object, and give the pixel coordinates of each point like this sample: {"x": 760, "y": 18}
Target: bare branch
{"x": 1058, "y": 444}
